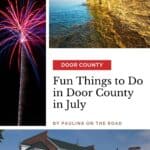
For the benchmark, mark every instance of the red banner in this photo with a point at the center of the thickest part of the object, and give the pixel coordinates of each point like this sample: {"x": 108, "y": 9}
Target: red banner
{"x": 81, "y": 64}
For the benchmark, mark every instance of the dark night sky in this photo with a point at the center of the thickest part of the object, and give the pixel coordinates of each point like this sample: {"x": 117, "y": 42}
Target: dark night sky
{"x": 34, "y": 107}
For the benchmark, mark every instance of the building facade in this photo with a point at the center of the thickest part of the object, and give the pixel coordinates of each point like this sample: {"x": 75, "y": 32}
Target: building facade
{"x": 43, "y": 142}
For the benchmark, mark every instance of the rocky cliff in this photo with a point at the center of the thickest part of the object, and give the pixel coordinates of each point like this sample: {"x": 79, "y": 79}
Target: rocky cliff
{"x": 122, "y": 23}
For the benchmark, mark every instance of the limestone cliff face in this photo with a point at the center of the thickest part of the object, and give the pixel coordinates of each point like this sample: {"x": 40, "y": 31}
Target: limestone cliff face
{"x": 122, "y": 23}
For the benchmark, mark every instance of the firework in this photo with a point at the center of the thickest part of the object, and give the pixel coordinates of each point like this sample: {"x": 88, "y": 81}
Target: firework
{"x": 22, "y": 27}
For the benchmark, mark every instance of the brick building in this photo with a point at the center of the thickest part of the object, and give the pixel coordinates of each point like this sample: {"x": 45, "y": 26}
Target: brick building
{"x": 43, "y": 142}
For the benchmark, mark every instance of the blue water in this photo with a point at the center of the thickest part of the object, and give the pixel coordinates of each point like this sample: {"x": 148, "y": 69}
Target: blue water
{"x": 67, "y": 13}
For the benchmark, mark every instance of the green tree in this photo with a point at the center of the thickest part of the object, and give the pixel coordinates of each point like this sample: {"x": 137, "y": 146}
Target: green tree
{"x": 1, "y": 136}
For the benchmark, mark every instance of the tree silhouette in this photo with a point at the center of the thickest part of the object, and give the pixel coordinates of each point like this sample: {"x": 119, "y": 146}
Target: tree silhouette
{"x": 1, "y": 136}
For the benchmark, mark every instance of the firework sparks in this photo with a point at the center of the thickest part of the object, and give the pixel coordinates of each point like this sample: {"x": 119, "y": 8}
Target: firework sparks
{"x": 23, "y": 28}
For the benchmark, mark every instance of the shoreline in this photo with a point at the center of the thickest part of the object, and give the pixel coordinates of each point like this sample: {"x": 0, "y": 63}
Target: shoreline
{"x": 105, "y": 30}
{"x": 77, "y": 36}
{"x": 87, "y": 36}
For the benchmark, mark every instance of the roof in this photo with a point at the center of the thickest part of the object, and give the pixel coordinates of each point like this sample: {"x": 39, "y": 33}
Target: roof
{"x": 42, "y": 140}
{"x": 135, "y": 148}
{"x": 70, "y": 146}
{"x": 28, "y": 140}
